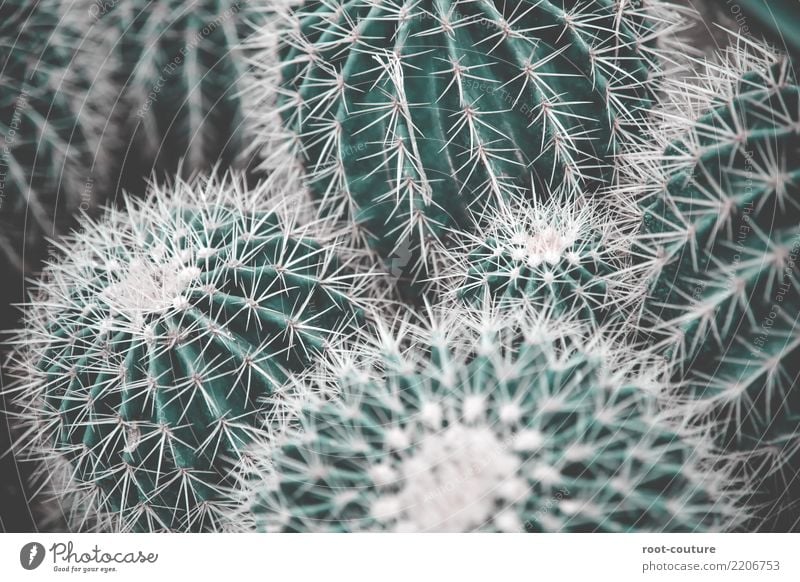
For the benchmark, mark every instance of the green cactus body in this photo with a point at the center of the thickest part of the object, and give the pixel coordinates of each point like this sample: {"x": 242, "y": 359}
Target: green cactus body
{"x": 557, "y": 255}
{"x": 775, "y": 19}
{"x": 534, "y": 438}
{"x": 46, "y": 169}
{"x": 153, "y": 341}
{"x": 178, "y": 72}
{"x": 725, "y": 234}
{"x": 411, "y": 114}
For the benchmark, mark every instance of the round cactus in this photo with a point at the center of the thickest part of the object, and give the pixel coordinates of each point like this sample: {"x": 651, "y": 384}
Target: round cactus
{"x": 562, "y": 254}
{"x": 557, "y": 433}
{"x": 46, "y": 162}
{"x": 409, "y": 114}
{"x": 178, "y": 74}
{"x": 774, "y": 19}
{"x": 152, "y": 341}
{"x": 721, "y": 229}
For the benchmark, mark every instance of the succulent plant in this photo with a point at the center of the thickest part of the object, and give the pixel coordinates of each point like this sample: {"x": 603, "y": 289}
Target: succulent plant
{"x": 178, "y": 72}
{"x": 775, "y": 19}
{"x": 466, "y": 431}
{"x": 47, "y": 172}
{"x": 722, "y": 232}
{"x": 565, "y": 255}
{"x": 152, "y": 341}
{"x": 408, "y": 115}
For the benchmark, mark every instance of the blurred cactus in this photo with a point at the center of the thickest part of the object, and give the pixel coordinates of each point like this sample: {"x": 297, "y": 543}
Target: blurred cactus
{"x": 462, "y": 428}
{"x": 722, "y": 233}
{"x": 47, "y": 166}
{"x": 178, "y": 73}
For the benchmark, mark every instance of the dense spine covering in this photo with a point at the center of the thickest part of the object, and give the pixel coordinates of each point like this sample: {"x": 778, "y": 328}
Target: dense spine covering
{"x": 408, "y": 115}
{"x": 722, "y": 233}
{"x": 477, "y": 431}
{"x": 178, "y": 71}
{"x": 47, "y": 170}
{"x": 152, "y": 341}
{"x": 565, "y": 255}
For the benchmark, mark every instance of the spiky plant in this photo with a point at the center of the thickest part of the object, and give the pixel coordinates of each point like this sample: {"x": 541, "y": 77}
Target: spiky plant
{"x": 46, "y": 163}
{"x": 408, "y": 114}
{"x": 152, "y": 340}
{"x": 775, "y": 19}
{"x": 564, "y": 254}
{"x": 178, "y": 72}
{"x": 477, "y": 431}
{"x": 722, "y": 232}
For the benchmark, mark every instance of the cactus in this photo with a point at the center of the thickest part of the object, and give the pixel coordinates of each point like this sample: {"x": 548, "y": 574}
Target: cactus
{"x": 721, "y": 232}
{"x": 151, "y": 342}
{"x": 554, "y": 433}
{"x": 774, "y": 19}
{"x": 562, "y": 254}
{"x": 46, "y": 164}
{"x": 178, "y": 72}
{"x": 409, "y": 114}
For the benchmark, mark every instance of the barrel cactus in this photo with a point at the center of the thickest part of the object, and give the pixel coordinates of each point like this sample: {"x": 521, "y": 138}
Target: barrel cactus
{"x": 152, "y": 341}
{"x": 721, "y": 231}
{"x": 178, "y": 73}
{"x": 472, "y": 432}
{"x": 774, "y": 19}
{"x": 46, "y": 164}
{"x": 564, "y": 255}
{"x": 408, "y": 114}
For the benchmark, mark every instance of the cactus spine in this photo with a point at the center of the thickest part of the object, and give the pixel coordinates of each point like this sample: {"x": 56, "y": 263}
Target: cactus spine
{"x": 407, "y": 115}
{"x": 151, "y": 343}
{"x": 178, "y": 72}
{"x": 721, "y": 231}
{"x": 46, "y": 164}
{"x": 565, "y": 255}
{"x": 477, "y": 431}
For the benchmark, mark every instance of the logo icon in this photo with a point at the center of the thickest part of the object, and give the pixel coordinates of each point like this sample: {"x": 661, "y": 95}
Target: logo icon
{"x": 31, "y": 555}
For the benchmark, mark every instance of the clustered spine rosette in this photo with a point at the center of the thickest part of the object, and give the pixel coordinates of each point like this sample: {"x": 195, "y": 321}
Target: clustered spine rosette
{"x": 408, "y": 116}
{"x": 151, "y": 342}
{"x": 565, "y": 255}
{"x": 721, "y": 234}
{"x": 47, "y": 161}
{"x": 485, "y": 430}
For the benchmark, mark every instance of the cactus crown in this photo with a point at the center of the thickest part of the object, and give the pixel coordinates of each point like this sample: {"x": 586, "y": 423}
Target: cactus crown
{"x": 478, "y": 431}
{"x": 408, "y": 114}
{"x": 562, "y": 254}
{"x": 151, "y": 344}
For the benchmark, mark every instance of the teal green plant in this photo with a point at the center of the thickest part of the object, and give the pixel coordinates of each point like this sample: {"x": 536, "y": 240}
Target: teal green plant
{"x": 565, "y": 255}
{"x": 178, "y": 71}
{"x": 477, "y": 431}
{"x": 409, "y": 115}
{"x": 775, "y": 19}
{"x": 721, "y": 231}
{"x": 151, "y": 342}
{"x": 47, "y": 170}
